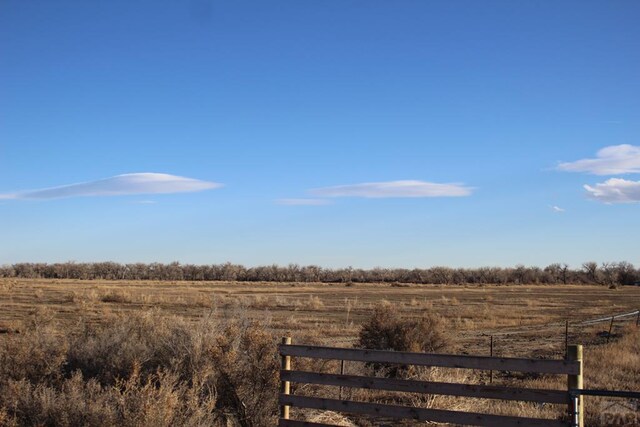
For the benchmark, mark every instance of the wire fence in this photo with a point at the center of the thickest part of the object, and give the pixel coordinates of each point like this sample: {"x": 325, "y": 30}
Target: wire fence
{"x": 632, "y": 315}
{"x": 577, "y": 331}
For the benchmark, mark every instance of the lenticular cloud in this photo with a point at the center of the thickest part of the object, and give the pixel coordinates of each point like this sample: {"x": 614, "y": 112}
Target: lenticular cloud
{"x": 119, "y": 185}
{"x": 395, "y": 189}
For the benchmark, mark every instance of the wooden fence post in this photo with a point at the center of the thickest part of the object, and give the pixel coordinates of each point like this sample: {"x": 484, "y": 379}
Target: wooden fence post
{"x": 566, "y": 338}
{"x": 341, "y": 373}
{"x": 285, "y": 386}
{"x": 574, "y": 382}
{"x": 491, "y": 354}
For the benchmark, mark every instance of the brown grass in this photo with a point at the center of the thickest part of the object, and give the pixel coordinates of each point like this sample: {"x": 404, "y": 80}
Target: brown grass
{"x": 195, "y": 353}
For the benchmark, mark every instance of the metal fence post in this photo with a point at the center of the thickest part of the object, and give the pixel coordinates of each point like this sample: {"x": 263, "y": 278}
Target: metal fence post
{"x": 285, "y": 386}
{"x": 575, "y": 382}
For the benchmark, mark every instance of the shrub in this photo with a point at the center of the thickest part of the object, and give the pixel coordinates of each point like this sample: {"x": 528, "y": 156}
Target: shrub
{"x": 118, "y": 297}
{"x": 37, "y": 354}
{"x": 245, "y": 357}
{"x": 160, "y": 401}
{"x": 385, "y": 330}
{"x": 140, "y": 370}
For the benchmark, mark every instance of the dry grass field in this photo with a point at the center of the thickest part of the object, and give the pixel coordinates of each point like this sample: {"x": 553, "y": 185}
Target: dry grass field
{"x": 527, "y": 321}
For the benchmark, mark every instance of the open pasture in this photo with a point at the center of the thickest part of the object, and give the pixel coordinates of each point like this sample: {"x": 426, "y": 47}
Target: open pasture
{"x": 525, "y": 320}
{"x": 121, "y": 332}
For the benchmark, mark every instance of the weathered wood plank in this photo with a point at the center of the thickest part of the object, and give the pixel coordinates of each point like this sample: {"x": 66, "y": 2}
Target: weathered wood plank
{"x": 443, "y": 360}
{"x": 608, "y": 393}
{"x": 412, "y": 386}
{"x": 295, "y": 423}
{"x": 419, "y": 414}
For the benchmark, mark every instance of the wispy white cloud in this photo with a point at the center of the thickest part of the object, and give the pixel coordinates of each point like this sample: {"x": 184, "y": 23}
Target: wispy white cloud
{"x": 394, "y": 189}
{"x": 119, "y": 185}
{"x": 615, "y": 190}
{"x": 303, "y": 202}
{"x": 612, "y": 160}
{"x": 557, "y": 209}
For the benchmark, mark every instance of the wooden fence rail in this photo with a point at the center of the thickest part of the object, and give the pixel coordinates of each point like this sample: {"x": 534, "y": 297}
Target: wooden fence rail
{"x": 487, "y": 363}
{"x": 571, "y": 367}
{"x": 418, "y": 414}
{"x": 428, "y": 387}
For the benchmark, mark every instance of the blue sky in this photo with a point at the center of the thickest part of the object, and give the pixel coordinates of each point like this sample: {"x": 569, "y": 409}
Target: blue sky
{"x": 404, "y": 133}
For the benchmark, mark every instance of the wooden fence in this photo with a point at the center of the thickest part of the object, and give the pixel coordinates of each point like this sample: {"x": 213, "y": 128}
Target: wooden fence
{"x": 572, "y": 367}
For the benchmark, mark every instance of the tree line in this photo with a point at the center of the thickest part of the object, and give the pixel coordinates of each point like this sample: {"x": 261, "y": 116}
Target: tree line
{"x": 611, "y": 273}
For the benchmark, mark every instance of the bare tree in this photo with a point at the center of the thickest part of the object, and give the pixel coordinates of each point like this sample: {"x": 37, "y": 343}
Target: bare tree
{"x": 626, "y": 273}
{"x": 591, "y": 271}
{"x": 608, "y": 273}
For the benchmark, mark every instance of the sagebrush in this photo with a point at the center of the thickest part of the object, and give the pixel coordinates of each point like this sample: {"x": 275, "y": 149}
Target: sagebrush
{"x": 140, "y": 369}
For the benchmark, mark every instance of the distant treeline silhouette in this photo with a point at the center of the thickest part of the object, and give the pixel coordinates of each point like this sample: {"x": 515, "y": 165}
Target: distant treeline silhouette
{"x": 622, "y": 273}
